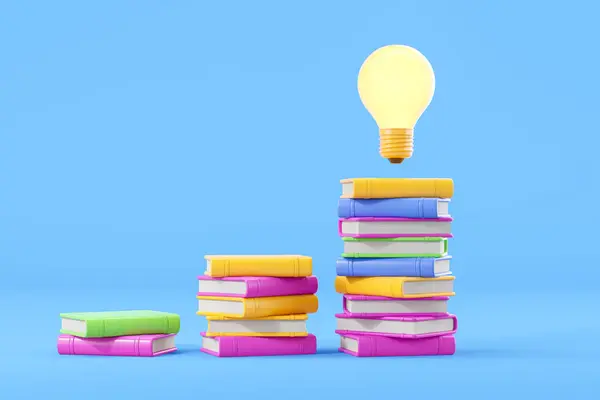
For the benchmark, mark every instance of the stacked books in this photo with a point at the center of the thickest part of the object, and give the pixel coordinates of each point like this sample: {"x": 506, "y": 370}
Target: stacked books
{"x": 395, "y": 272}
{"x": 118, "y": 333}
{"x": 257, "y": 305}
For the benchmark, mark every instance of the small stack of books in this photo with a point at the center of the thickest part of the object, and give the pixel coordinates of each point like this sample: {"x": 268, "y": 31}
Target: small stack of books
{"x": 140, "y": 333}
{"x": 257, "y": 305}
{"x": 394, "y": 272}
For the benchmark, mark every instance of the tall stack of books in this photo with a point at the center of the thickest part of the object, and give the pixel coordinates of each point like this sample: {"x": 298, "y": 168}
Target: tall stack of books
{"x": 257, "y": 305}
{"x": 140, "y": 333}
{"x": 394, "y": 273}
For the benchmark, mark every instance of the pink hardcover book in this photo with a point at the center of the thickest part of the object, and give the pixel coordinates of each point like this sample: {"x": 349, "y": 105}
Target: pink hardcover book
{"x": 239, "y": 346}
{"x": 256, "y": 286}
{"x": 376, "y": 306}
{"x": 372, "y": 227}
{"x": 381, "y": 346}
{"x": 398, "y": 326}
{"x": 132, "y": 346}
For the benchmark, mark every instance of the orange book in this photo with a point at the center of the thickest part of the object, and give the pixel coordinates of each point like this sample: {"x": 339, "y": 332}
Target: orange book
{"x": 386, "y": 188}
{"x": 281, "y": 266}
{"x": 256, "y": 307}
{"x": 395, "y": 286}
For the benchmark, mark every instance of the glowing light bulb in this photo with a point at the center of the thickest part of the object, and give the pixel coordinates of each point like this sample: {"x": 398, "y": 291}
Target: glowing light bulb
{"x": 396, "y": 85}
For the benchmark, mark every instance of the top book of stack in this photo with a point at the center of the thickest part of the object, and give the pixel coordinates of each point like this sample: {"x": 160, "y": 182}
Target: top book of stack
{"x": 280, "y": 266}
{"x": 388, "y": 188}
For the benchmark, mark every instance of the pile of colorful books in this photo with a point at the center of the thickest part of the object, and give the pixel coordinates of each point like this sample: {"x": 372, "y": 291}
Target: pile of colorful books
{"x": 395, "y": 272}
{"x": 118, "y": 333}
{"x": 257, "y": 305}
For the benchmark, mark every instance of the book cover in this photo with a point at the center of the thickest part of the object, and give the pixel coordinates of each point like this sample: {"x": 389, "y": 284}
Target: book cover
{"x": 408, "y": 267}
{"x": 262, "y": 333}
{"x": 359, "y": 345}
{"x": 381, "y": 188}
{"x": 126, "y": 346}
{"x": 263, "y": 286}
{"x": 353, "y": 297}
{"x": 258, "y": 307}
{"x": 233, "y": 346}
{"x": 410, "y": 244}
{"x": 419, "y": 318}
{"x": 386, "y": 286}
{"x": 282, "y": 266}
{"x": 119, "y": 323}
{"x": 411, "y": 221}
{"x": 392, "y": 208}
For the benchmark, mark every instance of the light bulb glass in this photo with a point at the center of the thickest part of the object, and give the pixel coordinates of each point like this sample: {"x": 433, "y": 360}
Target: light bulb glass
{"x": 396, "y": 84}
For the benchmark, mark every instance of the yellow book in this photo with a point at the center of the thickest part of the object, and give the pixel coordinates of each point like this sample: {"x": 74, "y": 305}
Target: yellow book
{"x": 256, "y": 307}
{"x": 395, "y": 286}
{"x": 282, "y": 266}
{"x": 277, "y": 326}
{"x": 383, "y": 188}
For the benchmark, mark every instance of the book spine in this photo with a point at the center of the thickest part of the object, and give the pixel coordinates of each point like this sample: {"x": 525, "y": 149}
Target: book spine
{"x": 266, "y": 346}
{"x": 288, "y": 268}
{"x": 118, "y": 346}
{"x": 281, "y": 305}
{"x": 269, "y": 287}
{"x": 372, "y": 286}
{"x": 411, "y": 267}
{"x": 140, "y": 326}
{"x": 403, "y": 188}
{"x": 381, "y": 346}
{"x": 392, "y": 208}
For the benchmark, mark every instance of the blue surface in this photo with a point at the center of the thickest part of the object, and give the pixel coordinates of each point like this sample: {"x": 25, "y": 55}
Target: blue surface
{"x": 124, "y": 124}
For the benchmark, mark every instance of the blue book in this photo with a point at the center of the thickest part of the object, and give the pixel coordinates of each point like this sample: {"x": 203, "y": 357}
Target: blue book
{"x": 412, "y": 267}
{"x": 393, "y": 208}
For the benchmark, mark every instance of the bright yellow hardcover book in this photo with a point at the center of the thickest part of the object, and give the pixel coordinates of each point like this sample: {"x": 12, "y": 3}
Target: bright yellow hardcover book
{"x": 281, "y": 266}
{"x": 256, "y": 307}
{"x": 277, "y": 326}
{"x": 395, "y": 286}
{"x": 383, "y": 188}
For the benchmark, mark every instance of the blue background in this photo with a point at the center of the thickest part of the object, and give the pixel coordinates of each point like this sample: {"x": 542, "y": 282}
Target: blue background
{"x": 137, "y": 136}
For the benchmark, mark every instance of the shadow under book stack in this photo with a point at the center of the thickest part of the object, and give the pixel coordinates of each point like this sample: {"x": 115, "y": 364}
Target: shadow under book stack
{"x": 257, "y": 305}
{"x": 394, "y": 272}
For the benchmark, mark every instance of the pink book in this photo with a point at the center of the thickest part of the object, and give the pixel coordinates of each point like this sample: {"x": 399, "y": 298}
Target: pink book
{"x": 404, "y": 327}
{"x": 381, "y": 346}
{"x": 133, "y": 346}
{"x": 376, "y": 306}
{"x": 239, "y": 346}
{"x": 256, "y": 286}
{"x": 371, "y": 227}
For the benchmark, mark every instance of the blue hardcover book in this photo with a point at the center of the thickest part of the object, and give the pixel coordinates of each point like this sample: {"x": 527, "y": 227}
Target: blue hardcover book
{"x": 393, "y": 208}
{"x": 412, "y": 267}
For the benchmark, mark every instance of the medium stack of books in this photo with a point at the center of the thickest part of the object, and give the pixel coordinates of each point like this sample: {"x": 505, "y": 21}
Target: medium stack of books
{"x": 118, "y": 333}
{"x": 257, "y": 305}
{"x": 394, "y": 272}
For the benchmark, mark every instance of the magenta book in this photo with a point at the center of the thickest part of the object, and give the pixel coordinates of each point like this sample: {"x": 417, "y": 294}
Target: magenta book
{"x": 375, "y": 306}
{"x": 132, "y": 346}
{"x": 381, "y": 346}
{"x": 256, "y": 286}
{"x": 368, "y": 227}
{"x": 238, "y": 346}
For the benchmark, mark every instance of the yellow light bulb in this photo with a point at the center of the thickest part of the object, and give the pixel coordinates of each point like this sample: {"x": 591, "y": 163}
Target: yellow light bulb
{"x": 396, "y": 85}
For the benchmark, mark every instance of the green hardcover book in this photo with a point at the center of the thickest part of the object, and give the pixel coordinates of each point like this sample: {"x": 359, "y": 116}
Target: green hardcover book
{"x": 406, "y": 247}
{"x": 119, "y": 323}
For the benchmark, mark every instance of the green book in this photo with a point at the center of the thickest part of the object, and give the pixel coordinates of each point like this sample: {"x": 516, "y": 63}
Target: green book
{"x": 405, "y": 247}
{"x": 119, "y": 323}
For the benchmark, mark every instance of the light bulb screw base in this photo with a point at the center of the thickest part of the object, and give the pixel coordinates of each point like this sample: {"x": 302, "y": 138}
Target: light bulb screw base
{"x": 396, "y": 144}
{"x": 395, "y": 160}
